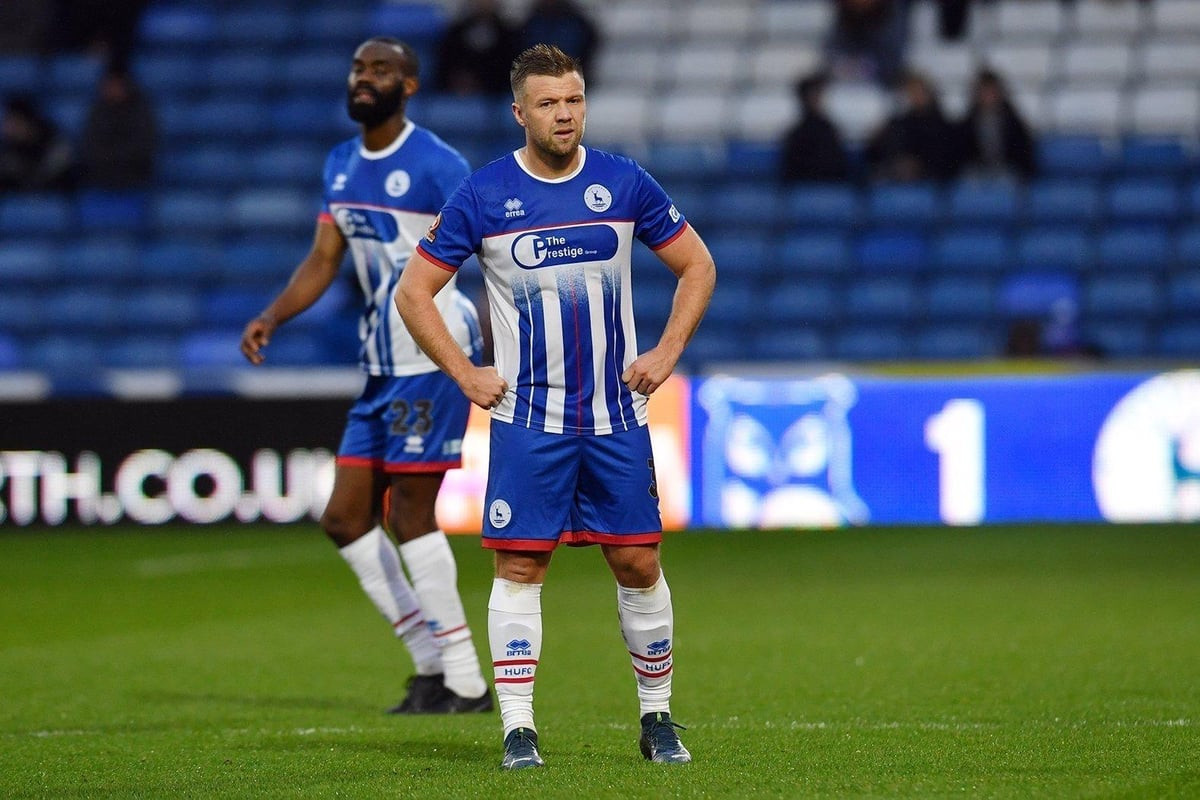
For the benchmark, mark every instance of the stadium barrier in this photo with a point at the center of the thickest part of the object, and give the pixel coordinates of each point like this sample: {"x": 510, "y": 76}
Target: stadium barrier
{"x": 730, "y": 451}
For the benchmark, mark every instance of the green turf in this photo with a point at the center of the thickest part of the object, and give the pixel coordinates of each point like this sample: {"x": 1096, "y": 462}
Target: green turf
{"x": 1026, "y": 662}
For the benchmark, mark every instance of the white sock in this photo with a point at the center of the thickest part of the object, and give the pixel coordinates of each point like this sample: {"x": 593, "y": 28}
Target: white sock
{"x": 430, "y": 562}
{"x": 374, "y": 560}
{"x": 515, "y": 634}
{"x": 647, "y": 623}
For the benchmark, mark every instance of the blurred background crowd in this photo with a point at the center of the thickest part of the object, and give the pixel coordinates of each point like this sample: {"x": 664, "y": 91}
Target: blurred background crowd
{"x": 878, "y": 179}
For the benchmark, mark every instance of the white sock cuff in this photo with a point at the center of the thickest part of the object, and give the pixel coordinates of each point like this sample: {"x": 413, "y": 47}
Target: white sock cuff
{"x": 647, "y": 601}
{"x": 515, "y": 598}
{"x": 426, "y": 546}
{"x": 364, "y": 546}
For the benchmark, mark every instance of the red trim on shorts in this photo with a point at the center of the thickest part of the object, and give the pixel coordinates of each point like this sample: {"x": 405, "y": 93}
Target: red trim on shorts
{"x": 540, "y": 545}
{"x": 645, "y": 674}
{"x": 592, "y": 537}
{"x": 393, "y": 468}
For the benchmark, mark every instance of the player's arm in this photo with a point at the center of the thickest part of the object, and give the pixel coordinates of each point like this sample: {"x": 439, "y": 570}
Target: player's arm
{"x": 689, "y": 259}
{"x": 420, "y": 281}
{"x": 309, "y": 281}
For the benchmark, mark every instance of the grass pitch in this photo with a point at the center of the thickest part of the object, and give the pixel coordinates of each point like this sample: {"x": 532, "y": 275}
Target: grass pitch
{"x": 1038, "y": 661}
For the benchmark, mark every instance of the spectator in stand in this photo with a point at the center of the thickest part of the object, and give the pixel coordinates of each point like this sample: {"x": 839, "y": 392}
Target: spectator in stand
{"x": 475, "y": 53}
{"x": 867, "y": 40}
{"x": 117, "y": 149}
{"x": 995, "y": 140}
{"x": 106, "y": 27}
{"x": 813, "y": 149}
{"x": 917, "y": 143}
{"x": 564, "y": 24}
{"x": 34, "y": 155}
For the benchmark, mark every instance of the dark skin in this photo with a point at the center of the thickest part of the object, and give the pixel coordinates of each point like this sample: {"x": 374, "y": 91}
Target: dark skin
{"x": 354, "y": 505}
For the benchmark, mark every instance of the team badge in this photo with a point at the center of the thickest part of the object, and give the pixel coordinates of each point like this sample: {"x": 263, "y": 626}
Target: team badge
{"x": 597, "y": 198}
{"x": 500, "y": 514}
{"x": 397, "y": 183}
{"x": 431, "y": 234}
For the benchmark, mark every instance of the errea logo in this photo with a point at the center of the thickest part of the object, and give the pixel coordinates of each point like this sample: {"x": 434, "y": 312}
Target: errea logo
{"x": 513, "y": 207}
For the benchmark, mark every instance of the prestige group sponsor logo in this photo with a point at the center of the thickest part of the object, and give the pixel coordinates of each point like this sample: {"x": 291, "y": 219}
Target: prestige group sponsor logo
{"x": 562, "y": 246}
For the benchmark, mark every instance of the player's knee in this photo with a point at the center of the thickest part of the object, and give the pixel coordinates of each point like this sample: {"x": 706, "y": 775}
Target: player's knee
{"x": 343, "y": 528}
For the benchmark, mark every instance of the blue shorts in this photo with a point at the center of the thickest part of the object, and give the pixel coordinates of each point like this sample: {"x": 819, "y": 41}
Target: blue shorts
{"x": 410, "y": 424}
{"x": 544, "y": 489}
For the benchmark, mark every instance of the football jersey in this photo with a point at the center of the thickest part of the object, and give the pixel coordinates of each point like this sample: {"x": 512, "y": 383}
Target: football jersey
{"x": 555, "y": 256}
{"x": 383, "y": 201}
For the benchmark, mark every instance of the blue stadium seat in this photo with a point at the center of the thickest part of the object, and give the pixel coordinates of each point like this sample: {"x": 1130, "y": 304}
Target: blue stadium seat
{"x": 1119, "y": 339}
{"x": 1112, "y": 296}
{"x": 321, "y": 119}
{"x": 159, "y": 351}
{"x": 1144, "y": 155}
{"x": 1073, "y": 155}
{"x": 794, "y": 304}
{"x": 746, "y": 207}
{"x": 22, "y": 310}
{"x": 813, "y": 252}
{"x": 205, "y": 167}
{"x": 74, "y": 72}
{"x": 882, "y": 299}
{"x": 892, "y": 251}
{"x": 19, "y": 72}
{"x": 735, "y": 304}
{"x": 716, "y": 344}
{"x": 755, "y": 160}
{"x": 1054, "y": 247}
{"x": 273, "y": 211}
{"x": 673, "y": 162}
{"x": 59, "y": 353}
{"x": 1180, "y": 339}
{"x": 1183, "y": 293}
{"x": 36, "y": 214}
{"x": 904, "y": 204}
{"x": 449, "y": 112}
{"x": 346, "y": 26}
{"x": 214, "y": 347}
{"x": 258, "y": 27}
{"x": 11, "y": 355}
{"x": 172, "y": 259}
{"x": 956, "y": 297}
{"x": 1187, "y": 247}
{"x": 171, "y": 77}
{"x": 1139, "y": 247}
{"x": 954, "y": 341}
{"x": 177, "y": 25}
{"x": 164, "y": 308}
{"x": 790, "y": 345}
{"x": 740, "y": 255}
{"x": 1143, "y": 200}
{"x": 293, "y": 165}
{"x": 872, "y": 343}
{"x": 232, "y": 306}
{"x": 262, "y": 260}
{"x": 1036, "y": 293}
{"x": 105, "y": 210}
{"x": 1191, "y": 198}
{"x": 823, "y": 205}
{"x": 240, "y": 71}
{"x": 105, "y": 258}
{"x": 183, "y": 212}
{"x": 1060, "y": 200}
{"x": 227, "y": 118}
{"x": 84, "y": 308}
{"x": 27, "y": 263}
{"x": 323, "y": 70}
{"x": 420, "y": 22}
{"x": 983, "y": 202}
{"x": 972, "y": 250}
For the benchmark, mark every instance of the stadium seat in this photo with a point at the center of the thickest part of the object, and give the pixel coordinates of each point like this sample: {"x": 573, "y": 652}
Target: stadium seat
{"x": 618, "y": 116}
{"x": 11, "y": 355}
{"x": 177, "y": 25}
{"x": 1036, "y": 293}
{"x": 791, "y": 22}
{"x": 171, "y": 77}
{"x": 1179, "y": 339}
{"x": 19, "y": 72}
{"x": 1099, "y": 63}
{"x": 1165, "y": 58}
{"x": 1183, "y": 293}
{"x": 718, "y": 21}
{"x": 857, "y": 109}
{"x": 892, "y": 251}
{"x": 109, "y": 258}
{"x": 1154, "y": 155}
{"x": 1054, "y": 247}
{"x": 714, "y": 344}
{"x": 1174, "y": 16}
{"x": 1092, "y": 110}
{"x": 110, "y": 210}
{"x": 793, "y": 304}
{"x": 813, "y": 252}
{"x": 735, "y": 304}
{"x": 75, "y": 72}
{"x": 904, "y": 204}
{"x": 1114, "y": 296}
{"x": 419, "y": 21}
{"x": 740, "y": 255}
{"x": 884, "y": 299}
{"x": 63, "y": 354}
{"x": 240, "y": 71}
{"x": 28, "y": 263}
{"x": 170, "y": 308}
{"x": 1025, "y": 64}
{"x": 753, "y": 160}
{"x": 258, "y": 27}
{"x": 172, "y": 260}
{"x": 1073, "y": 156}
{"x": 205, "y": 167}
{"x": 1111, "y": 19}
{"x": 749, "y": 207}
{"x": 321, "y": 119}
{"x": 777, "y": 63}
{"x": 1143, "y": 200}
{"x": 1164, "y": 109}
{"x": 1119, "y": 338}
{"x": 962, "y": 250}
{"x": 983, "y": 202}
{"x": 872, "y": 343}
{"x": 341, "y": 25}
{"x": 22, "y": 310}
{"x": 1029, "y": 19}
{"x": 1137, "y": 248}
{"x": 35, "y": 214}
{"x": 695, "y": 115}
{"x": 185, "y": 212}
{"x": 1061, "y": 200}
{"x": 715, "y": 66}
{"x": 261, "y": 260}
{"x": 790, "y": 345}
{"x": 1187, "y": 247}
{"x": 85, "y": 308}
{"x": 761, "y": 115}
{"x": 273, "y": 211}
{"x": 823, "y": 205}
{"x": 160, "y": 351}
{"x": 955, "y": 297}
{"x": 954, "y": 341}
{"x": 684, "y": 162}
{"x": 213, "y": 347}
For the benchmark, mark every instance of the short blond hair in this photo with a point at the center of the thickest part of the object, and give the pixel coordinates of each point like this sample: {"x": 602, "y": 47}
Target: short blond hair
{"x": 541, "y": 59}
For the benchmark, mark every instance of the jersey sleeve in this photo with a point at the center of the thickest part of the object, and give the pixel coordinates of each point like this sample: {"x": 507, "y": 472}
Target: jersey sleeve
{"x": 456, "y": 233}
{"x": 658, "y": 221}
{"x": 452, "y": 173}
{"x": 324, "y": 214}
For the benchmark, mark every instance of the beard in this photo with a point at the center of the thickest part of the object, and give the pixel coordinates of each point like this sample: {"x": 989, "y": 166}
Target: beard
{"x": 371, "y": 115}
